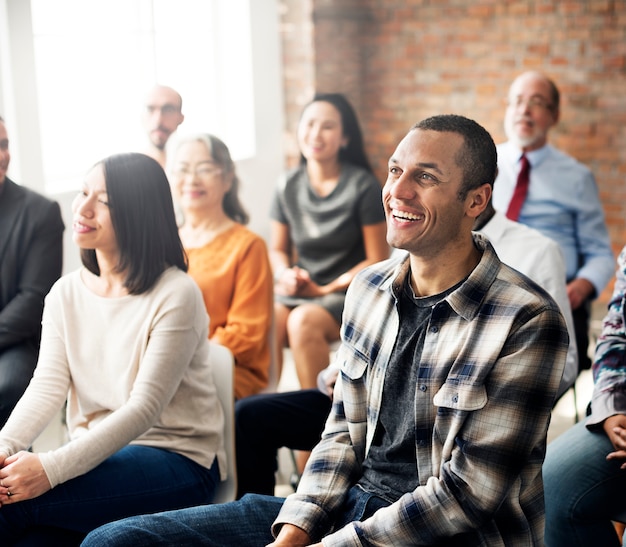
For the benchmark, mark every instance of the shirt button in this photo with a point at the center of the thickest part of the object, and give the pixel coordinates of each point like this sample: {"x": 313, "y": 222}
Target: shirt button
{"x": 455, "y": 399}
{"x": 423, "y": 387}
{"x": 434, "y": 329}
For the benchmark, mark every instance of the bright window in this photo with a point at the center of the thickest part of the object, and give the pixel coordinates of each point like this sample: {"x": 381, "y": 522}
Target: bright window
{"x": 95, "y": 60}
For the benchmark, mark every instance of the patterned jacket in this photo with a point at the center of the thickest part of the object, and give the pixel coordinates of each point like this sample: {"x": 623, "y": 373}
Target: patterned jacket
{"x": 609, "y": 367}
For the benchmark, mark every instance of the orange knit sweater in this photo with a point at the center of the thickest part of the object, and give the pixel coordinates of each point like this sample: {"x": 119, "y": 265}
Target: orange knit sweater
{"x": 235, "y": 277}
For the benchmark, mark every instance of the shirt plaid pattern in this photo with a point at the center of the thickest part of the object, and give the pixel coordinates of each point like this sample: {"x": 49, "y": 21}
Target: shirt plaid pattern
{"x": 492, "y": 360}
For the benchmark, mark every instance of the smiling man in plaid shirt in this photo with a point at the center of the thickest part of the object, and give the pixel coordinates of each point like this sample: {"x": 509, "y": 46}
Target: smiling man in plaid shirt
{"x": 449, "y": 365}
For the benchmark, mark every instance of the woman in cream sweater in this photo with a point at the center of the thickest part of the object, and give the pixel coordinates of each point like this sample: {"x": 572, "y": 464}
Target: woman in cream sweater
{"x": 125, "y": 344}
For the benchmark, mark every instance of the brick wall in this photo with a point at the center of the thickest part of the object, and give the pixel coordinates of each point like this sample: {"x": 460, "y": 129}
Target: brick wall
{"x": 402, "y": 60}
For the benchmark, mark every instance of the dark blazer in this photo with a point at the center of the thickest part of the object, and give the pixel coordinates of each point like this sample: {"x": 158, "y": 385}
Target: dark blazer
{"x": 31, "y": 257}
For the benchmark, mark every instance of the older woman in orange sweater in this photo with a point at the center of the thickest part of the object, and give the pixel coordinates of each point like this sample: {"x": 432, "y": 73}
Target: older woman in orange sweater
{"x": 228, "y": 261}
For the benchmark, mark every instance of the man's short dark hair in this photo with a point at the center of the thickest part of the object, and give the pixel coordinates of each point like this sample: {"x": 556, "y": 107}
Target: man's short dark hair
{"x": 477, "y": 158}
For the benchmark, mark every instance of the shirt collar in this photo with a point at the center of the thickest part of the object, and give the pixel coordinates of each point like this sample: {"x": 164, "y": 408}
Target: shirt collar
{"x": 495, "y": 227}
{"x": 535, "y": 157}
{"x": 466, "y": 300}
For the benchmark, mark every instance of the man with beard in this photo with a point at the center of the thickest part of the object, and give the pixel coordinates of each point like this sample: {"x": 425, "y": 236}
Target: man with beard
{"x": 161, "y": 117}
{"x": 554, "y": 194}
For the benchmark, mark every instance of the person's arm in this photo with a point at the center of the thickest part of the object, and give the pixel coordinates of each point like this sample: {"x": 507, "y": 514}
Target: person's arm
{"x": 549, "y": 273}
{"x": 249, "y": 316}
{"x": 609, "y": 394}
{"x": 598, "y": 262}
{"x": 579, "y": 290}
{"x": 376, "y": 249}
{"x": 20, "y": 319}
{"x": 333, "y": 461}
{"x": 289, "y": 279}
{"x": 291, "y": 536}
{"x": 280, "y": 247}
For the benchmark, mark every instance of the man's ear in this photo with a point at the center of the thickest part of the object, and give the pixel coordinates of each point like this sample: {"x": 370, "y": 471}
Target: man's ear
{"x": 477, "y": 200}
{"x": 556, "y": 112}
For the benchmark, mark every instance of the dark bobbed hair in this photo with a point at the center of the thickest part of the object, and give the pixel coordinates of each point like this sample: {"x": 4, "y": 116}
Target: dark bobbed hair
{"x": 143, "y": 218}
{"x": 477, "y": 158}
{"x": 220, "y": 154}
{"x": 354, "y": 151}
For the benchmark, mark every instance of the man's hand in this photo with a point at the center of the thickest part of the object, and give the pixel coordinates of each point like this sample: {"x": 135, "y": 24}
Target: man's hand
{"x": 615, "y": 428}
{"x": 579, "y": 290}
{"x": 22, "y": 477}
{"x": 291, "y": 536}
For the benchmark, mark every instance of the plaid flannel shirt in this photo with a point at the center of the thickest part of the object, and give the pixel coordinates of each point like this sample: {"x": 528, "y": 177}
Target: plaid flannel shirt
{"x": 493, "y": 357}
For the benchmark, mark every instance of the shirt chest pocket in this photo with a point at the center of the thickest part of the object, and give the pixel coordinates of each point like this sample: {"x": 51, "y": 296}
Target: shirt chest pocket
{"x": 461, "y": 397}
{"x": 354, "y": 367}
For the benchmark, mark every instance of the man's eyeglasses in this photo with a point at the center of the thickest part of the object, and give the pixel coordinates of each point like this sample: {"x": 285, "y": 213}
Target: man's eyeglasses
{"x": 166, "y": 109}
{"x": 536, "y": 102}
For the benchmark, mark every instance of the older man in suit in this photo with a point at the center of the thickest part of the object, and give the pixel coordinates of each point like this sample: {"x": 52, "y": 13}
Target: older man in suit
{"x": 31, "y": 256}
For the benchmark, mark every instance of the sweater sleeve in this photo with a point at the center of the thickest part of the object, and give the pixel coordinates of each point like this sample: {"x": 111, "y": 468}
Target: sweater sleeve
{"x": 47, "y": 390}
{"x": 249, "y": 317}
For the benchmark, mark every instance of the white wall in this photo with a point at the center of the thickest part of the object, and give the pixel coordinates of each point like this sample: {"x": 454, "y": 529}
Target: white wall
{"x": 259, "y": 174}
{"x": 19, "y": 106}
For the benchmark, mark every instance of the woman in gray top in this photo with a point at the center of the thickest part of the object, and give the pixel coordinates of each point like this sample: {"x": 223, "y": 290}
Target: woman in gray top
{"x": 327, "y": 224}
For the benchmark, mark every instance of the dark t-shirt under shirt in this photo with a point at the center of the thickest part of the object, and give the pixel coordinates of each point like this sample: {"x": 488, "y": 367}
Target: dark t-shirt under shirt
{"x": 390, "y": 467}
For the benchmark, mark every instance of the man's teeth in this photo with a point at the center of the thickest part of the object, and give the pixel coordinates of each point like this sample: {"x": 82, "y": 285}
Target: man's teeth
{"x": 407, "y": 216}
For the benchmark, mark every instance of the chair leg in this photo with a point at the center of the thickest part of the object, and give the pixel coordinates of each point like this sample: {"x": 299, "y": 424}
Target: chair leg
{"x": 575, "y": 403}
{"x": 294, "y": 478}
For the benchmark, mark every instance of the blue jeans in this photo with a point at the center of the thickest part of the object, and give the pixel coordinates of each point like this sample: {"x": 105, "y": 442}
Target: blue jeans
{"x": 135, "y": 480}
{"x": 583, "y": 491}
{"x": 244, "y": 523}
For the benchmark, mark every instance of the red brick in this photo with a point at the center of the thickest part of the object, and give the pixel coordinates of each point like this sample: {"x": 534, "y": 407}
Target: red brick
{"x": 401, "y": 60}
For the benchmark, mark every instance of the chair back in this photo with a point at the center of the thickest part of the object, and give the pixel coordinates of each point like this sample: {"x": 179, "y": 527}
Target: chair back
{"x": 223, "y": 365}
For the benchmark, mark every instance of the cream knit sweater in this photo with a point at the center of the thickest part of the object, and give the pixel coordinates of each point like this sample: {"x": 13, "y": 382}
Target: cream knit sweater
{"x": 133, "y": 369}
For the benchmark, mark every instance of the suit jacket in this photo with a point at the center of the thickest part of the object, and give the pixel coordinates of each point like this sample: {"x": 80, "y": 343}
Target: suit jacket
{"x": 31, "y": 258}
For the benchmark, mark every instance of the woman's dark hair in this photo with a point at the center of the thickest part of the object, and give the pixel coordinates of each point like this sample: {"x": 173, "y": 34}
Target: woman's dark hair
{"x": 221, "y": 156}
{"x": 143, "y": 218}
{"x": 354, "y": 151}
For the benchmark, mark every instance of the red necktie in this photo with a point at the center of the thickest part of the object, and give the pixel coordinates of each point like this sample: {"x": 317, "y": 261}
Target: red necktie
{"x": 521, "y": 189}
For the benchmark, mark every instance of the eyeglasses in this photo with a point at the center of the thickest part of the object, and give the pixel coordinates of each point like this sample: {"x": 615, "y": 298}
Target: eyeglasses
{"x": 203, "y": 173}
{"x": 535, "y": 102}
{"x": 165, "y": 110}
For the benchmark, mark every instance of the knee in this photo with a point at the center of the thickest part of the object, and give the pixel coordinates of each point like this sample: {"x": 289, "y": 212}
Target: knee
{"x": 250, "y": 421}
{"x": 303, "y": 322}
{"x": 107, "y": 534}
{"x": 246, "y": 412}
